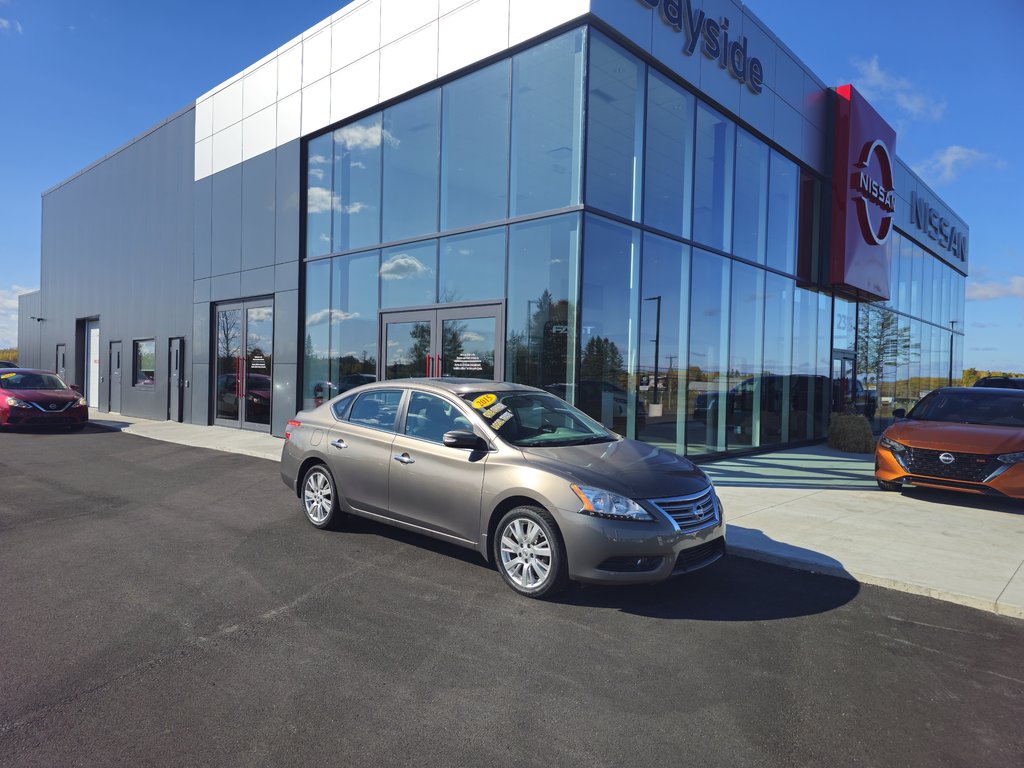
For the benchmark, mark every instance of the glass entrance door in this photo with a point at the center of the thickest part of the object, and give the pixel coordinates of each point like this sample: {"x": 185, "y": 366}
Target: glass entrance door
{"x": 243, "y": 383}
{"x": 447, "y": 342}
{"x": 843, "y": 383}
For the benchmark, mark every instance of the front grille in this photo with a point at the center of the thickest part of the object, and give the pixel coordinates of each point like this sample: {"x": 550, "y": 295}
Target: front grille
{"x": 967, "y": 467}
{"x": 691, "y": 513}
{"x": 697, "y": 557}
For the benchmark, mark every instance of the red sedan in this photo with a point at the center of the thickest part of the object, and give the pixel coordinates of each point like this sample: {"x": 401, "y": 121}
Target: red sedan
{"x": 31, "y": 398}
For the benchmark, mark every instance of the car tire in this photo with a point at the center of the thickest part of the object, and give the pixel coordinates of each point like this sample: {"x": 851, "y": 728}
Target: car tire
{"x": 531, "y": 532}
{"x": 885, "y": 485}
{"x": 318, "y": 497}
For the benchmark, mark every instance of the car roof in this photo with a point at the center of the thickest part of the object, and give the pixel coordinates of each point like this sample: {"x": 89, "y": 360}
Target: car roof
{"x": 452, "y": 385}
{"x": 28, "y": 370}
{"x": 989, "y": 391}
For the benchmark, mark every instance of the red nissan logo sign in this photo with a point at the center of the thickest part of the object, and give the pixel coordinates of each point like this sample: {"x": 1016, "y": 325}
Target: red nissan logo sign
{"x": 872, "y": 180}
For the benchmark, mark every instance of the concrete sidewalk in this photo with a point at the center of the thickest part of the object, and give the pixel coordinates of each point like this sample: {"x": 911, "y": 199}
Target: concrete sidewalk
{"x": 820, "y": 510}
{"x": 262, "y": 445}
{"x": 810, "y": 508}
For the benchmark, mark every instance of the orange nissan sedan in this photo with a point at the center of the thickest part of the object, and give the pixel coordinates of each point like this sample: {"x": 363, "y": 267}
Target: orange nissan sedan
{"x": 957, "y": 438}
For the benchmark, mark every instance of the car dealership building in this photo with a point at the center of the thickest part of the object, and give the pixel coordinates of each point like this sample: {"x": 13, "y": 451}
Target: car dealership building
{"x": 651, "y": 208}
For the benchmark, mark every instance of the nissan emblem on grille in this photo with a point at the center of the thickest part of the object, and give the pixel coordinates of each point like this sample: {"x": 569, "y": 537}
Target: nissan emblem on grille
{"x": 947, "y": 458}
{"x": 53, "y": 406}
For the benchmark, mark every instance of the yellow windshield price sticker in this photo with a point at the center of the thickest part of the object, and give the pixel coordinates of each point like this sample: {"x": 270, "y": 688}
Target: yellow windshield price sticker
{"x": 8, "y": 376}
{"x": 484, "y": 400}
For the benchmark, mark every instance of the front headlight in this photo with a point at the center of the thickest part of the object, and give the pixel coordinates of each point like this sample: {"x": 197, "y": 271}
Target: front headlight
{"x": 14, "y": 402}
{"x": 892, "y": 445}
{"x": 601, "y": 503}
{"x": 1012, "y": 458}
{"x": 81, "y": 401}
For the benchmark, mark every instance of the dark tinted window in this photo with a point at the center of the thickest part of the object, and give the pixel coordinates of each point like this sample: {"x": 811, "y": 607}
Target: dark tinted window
{"x": 429, "y": 417}
{"x": 976, "y": 407}
{"x": 377, "y": 409}
{"x": 16, "y": 381}
{"x": 340, "y": 408}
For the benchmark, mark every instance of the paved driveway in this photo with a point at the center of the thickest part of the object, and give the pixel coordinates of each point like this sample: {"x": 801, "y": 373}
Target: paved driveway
{"x": 166, "y": 605}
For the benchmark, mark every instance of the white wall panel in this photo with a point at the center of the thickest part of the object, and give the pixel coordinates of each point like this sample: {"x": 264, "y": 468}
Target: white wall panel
{"x": 289, "y": 71}
{"x": 204, "y": 158}
{"x": 355, "y": 88}
{"x": 227, "y": 148}
{"x": 289, "y": 118}
{"x": 316, "y": 106}
{"x": 259, "y": 133}
{"x": 227, "y": 106}
{"x": 204, "y": 119}
{"x": 400, "y": 17}
{"x": 316, "y": 57}
{"x": 529, "y": 18}
{"x": 447, "y": 6}
{"x": 471, "y": 33}
{"x": 259, "y": 88}
{"x": 409, "y": 62}
{"x": 355, "y": 36}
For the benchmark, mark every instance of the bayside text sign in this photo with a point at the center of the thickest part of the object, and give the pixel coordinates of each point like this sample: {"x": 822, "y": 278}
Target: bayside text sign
{"x": 863, "y": 197}
{"x": 713, "y": 37}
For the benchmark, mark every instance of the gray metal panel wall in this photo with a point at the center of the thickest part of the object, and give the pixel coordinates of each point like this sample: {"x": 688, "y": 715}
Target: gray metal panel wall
{"x": 29, "y": 331}
{"x": 247, "y": 246}
{"x": 117, "y": 244}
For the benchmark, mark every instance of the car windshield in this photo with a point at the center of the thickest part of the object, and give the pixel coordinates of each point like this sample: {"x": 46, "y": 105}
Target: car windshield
{"x": 526, "y": 419}
{"x": 22, "y": 381}
{"x": 1002, "y": 409}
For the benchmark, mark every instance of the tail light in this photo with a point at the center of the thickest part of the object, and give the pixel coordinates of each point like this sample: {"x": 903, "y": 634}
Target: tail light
{"x": 290, "y": 426}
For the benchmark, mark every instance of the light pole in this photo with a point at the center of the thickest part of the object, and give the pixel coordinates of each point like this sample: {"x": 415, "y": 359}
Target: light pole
{"x": 952, "y": 330}
{"x": 657, "y": 342}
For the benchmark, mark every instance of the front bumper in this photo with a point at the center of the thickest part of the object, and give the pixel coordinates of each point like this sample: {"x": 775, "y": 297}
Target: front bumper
{"x": 607, "y": 551}
{"x": 26, "y": 417}
{"x": 1006, "y": 480}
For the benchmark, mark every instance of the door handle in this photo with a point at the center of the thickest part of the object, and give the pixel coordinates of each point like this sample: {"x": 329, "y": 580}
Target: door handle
{"x": 405, "y": 458}
{"x": 428, "y": 365}
{"x": 437, "y": 366}
{"x": 339, "y": 443}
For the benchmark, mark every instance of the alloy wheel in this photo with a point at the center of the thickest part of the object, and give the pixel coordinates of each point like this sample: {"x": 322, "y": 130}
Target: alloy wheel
{"x": 525, "y": 553}
{"x": 318, "y": 496}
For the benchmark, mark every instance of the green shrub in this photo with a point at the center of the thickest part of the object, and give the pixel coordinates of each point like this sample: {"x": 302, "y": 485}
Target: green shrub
{"x": 850, "y": 433}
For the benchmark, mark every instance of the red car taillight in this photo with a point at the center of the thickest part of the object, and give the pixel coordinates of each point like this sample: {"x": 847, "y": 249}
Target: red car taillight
{"x": 289, "y": 427}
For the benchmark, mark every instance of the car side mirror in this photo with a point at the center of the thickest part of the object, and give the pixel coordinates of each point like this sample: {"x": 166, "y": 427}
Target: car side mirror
{"x": 899, "y": 413}
{"x": 462, "y": 438}
{"x": 77, "y": 388}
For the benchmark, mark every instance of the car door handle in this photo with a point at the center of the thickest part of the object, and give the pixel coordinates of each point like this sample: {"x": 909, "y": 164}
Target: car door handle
{"x": 339, "y": 443}
{"x": 405, "y": 458}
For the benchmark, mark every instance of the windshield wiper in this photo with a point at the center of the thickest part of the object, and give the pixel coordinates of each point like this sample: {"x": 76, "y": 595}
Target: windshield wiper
{"x": 591, "y": 440}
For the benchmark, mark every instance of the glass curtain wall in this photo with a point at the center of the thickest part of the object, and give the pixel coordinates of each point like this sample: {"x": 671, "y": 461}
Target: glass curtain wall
{"x": 910, "y": 344}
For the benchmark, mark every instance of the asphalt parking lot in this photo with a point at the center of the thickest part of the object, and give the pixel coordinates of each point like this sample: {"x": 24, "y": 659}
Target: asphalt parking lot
{"x": 167, "y": 605}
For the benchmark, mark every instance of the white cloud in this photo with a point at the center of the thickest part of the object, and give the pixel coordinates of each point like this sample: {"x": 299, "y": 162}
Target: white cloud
{"x": 320, "y": 200}
{"x": 333, "y": 315}
{"x": 401, "y": 266}
{"x": 1011, "y": 287}
{"x": 946, "y": 164}
{"x": 9, "y": 314}
{"x": 882, "y": 87}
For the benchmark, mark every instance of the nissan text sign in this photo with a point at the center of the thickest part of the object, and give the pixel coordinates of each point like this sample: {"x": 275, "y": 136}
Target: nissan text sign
{"x": 863, "y": 197}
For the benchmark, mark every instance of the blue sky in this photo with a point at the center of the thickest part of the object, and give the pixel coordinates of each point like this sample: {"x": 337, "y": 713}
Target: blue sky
{"x": 77, "y": 80}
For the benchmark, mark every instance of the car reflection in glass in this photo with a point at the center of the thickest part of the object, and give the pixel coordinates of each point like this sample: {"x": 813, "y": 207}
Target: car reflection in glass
{"x": 540, "y": 489}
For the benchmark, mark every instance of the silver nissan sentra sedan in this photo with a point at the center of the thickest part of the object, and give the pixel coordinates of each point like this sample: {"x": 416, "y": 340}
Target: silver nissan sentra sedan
{"x": 536, "y": 486}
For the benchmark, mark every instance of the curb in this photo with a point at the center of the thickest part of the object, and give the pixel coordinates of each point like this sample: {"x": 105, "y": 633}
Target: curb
{"x": 811, "y": 566}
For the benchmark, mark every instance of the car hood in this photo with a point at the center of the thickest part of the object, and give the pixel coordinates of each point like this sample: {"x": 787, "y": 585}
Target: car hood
{"x": 963, "y": 438}
{"x": 627, "y": 467}
{"x": 61, "y": 396}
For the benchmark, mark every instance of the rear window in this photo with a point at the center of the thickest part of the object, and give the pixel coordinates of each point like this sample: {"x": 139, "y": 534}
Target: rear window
{"x": 23, "y": 381}
{"x": 997, "y": 409}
